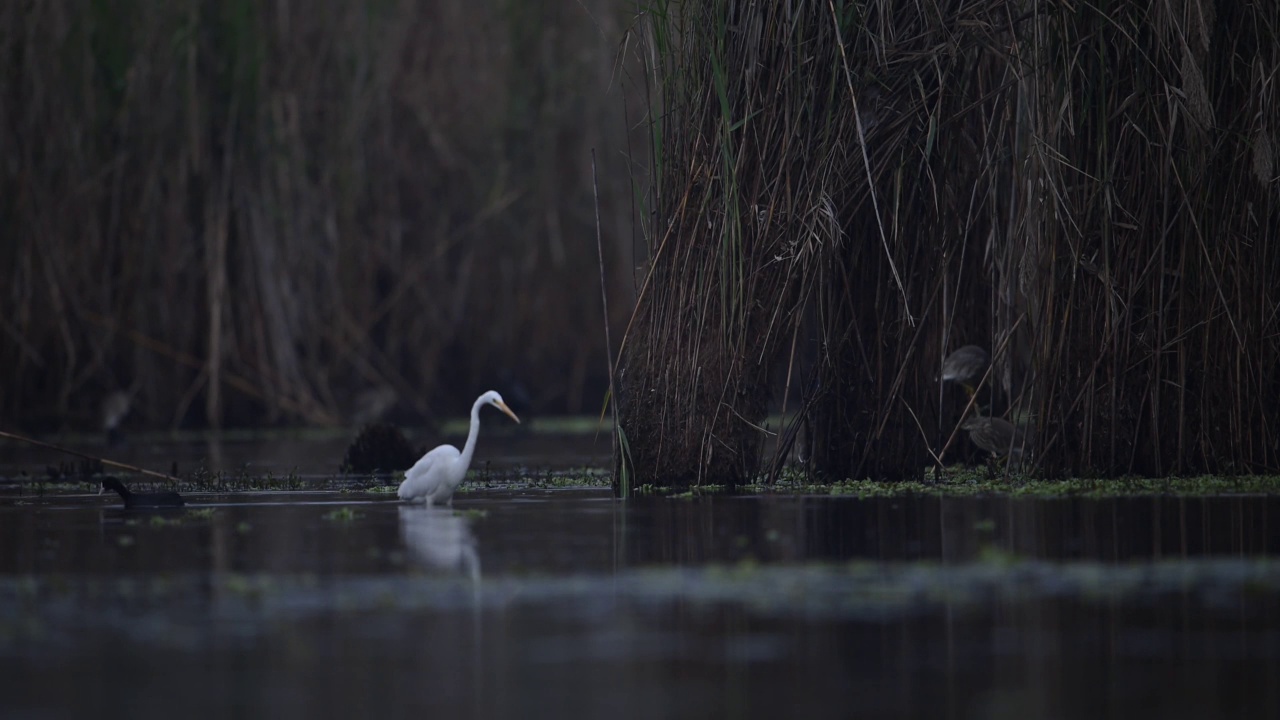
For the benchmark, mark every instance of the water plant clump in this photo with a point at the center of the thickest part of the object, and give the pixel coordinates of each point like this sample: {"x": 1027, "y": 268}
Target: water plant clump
{"x": 970, "y": 484}
{"x": 342, "y": 515}
{"x": 379, "y": 448}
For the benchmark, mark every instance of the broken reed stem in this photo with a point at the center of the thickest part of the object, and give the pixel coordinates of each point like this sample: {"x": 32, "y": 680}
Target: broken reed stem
{"x": 604, "y": 305}
{"x": 866, "y": 164}
{"x": 86, "y": 456}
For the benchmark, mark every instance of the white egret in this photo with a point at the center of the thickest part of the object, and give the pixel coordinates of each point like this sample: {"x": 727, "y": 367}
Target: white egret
{"x": 438, "y": 473}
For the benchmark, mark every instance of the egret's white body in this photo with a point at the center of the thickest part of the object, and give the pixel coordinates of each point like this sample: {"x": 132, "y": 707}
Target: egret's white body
{"x": 438, "y": 473}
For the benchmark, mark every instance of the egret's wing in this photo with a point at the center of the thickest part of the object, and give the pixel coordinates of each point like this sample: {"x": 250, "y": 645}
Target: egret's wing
{"x": 419, "y": 480}
{"x": 423, "y": 466}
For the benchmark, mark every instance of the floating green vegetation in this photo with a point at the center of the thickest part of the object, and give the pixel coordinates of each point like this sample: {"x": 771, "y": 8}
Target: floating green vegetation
{"x": 972, "y": 482}
{"x": 471, "y": 513}
{"x": 969, "y": 483}
{"x": 546, "y": 479}
{"x": 955, "y": 481}
{"x": 171, "y": 519}
{"x": 995, "y": 555}
{"x": 986, "y": 526}
{"x": 25, "y": 489}
{"x": 686, "y": 494}
{"x": 247, "y": 586}
{"x": 244, "y": 480}
{"x": 342, "y": 515}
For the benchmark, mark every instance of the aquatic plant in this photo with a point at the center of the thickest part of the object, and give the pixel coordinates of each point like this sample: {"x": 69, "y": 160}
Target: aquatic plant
{"x": 379, "y": 447}
{"x": 342, "y": 515}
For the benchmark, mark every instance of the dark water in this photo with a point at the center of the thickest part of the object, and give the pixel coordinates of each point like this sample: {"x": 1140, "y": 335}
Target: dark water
{"x": 308, "y": 454}
{"x": 568, "y": 603}
{"x": 545, "y": 603}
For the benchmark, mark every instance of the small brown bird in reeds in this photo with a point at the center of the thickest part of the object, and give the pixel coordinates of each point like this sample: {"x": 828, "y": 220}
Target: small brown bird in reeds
{"x": 1006, "y": 443}
{"x": 965, "y": 367}
{"x": 994, "y": 435}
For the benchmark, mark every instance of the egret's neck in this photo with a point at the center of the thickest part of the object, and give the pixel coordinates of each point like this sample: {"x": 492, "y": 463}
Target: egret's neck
{"x": 470, "y": 448}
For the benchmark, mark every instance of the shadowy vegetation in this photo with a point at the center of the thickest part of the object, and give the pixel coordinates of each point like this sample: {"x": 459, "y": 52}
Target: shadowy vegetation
{"x": 1146, "y": 251}
{"x": 844, "y": 192}
{"x": 250, "y": 213}
{"x": 752, "y": 152}
{"x": 201, "y": 481}
{"x": 949, "y": 481}
{"x": 962, "y": 482}
{"x": 379, "y": 447}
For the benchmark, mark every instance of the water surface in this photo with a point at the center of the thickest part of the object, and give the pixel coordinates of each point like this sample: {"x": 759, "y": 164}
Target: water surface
{"x": 569, "y": 603}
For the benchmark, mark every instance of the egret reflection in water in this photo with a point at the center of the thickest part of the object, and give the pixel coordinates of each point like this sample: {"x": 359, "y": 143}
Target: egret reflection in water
{"x": 439, "y": 540}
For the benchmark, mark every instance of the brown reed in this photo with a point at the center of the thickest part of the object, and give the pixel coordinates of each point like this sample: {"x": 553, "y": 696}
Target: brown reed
{"x": 1089, "y": 194}
{"x": 306, "y": 199}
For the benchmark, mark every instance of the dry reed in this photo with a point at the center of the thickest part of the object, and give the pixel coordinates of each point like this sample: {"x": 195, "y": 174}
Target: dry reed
{"x": 1090, "y": 194}
{"x": 249, "y": 212}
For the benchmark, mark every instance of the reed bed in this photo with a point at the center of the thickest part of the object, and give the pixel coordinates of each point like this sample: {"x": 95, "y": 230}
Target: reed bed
{"x": 1152, "y": 193}
{"x": 747, "y": 158}
{"x": 248, "y": 213}
{"x": 800, "y": 223}
{"x": 844, "y": 192}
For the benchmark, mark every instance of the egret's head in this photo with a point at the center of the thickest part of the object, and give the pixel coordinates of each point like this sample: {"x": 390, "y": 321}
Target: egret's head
{"x": 493, "y": 398}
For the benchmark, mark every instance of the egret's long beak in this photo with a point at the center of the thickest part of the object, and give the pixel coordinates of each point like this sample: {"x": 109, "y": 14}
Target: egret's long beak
{"x": 503, "y": 407}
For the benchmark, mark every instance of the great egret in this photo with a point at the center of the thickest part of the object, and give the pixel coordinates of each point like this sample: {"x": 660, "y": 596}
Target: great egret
{"x": 137, "y": 500}
{"x": 438, "y": 473}
{"x": 965, "y": 366}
